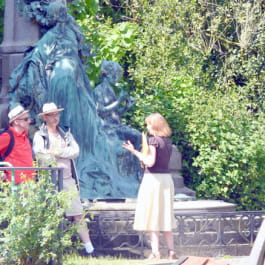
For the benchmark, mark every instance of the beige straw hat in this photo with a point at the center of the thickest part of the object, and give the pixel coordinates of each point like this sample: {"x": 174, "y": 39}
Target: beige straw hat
{"x": 16, "y": 112}
{"x": 50, "y": 108}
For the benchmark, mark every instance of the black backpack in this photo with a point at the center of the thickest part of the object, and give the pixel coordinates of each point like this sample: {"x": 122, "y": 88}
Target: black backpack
{"x": 10, "y": 146}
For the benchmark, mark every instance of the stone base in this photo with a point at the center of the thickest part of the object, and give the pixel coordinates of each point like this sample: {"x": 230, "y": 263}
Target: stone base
{"x": 192, "y": 206}
{"x": 204, "y": 227}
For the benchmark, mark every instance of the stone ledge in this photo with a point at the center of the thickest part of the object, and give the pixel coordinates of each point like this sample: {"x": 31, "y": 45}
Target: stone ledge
{"x": 194, "y": 206}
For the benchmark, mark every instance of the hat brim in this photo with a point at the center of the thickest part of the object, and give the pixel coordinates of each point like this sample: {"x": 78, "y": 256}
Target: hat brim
{"x": 51, "y": 111}
{"x": 19, "y": 115}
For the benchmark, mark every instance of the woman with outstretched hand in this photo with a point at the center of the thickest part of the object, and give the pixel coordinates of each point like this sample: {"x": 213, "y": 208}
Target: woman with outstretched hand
{"x": 154, "y": 209}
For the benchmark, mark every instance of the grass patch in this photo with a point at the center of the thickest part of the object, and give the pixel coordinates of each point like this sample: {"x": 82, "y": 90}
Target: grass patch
{"x": 77, "y": 260}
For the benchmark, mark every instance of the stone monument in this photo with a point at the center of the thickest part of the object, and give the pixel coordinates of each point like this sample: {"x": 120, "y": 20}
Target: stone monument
{"x": 43, "y": 61}
{"x": 175, "y": 166}
{"x": 53, "y": 70}
{"x": 19, "y": 33}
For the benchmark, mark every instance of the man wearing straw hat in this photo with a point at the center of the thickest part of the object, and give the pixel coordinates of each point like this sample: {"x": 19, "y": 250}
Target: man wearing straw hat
{"x": 52, "y": 141}
{"x": 15, "y": 147}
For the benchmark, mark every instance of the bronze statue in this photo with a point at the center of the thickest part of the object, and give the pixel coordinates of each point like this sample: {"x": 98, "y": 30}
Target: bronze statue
{"x": 53, "y": 70}
{"x": 110, "y": 109}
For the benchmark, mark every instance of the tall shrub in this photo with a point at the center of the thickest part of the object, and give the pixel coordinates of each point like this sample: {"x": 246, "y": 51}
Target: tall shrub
{"x": 201, "y": 64}
{"x": 230, "y": 37}
{"x": 163, "y": 72}
{"x": 230, "y": 142}
{"x": 108, "y": 35}
{"x": 31, "y": 220}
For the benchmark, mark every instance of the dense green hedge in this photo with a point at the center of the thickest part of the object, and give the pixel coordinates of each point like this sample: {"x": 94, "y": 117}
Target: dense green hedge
{"x": 231, "y": 143}
{"x": 201, "y": 64}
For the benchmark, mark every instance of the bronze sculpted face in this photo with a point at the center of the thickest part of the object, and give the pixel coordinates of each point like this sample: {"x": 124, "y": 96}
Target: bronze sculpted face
{"x": 112, "y": 71}
{"x": 56, "y": 12}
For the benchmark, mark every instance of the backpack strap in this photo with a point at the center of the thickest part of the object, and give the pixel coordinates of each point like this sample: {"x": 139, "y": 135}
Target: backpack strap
{"x": 10, "y": 145}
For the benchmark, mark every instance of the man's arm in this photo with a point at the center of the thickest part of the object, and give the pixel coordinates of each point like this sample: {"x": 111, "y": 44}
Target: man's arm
{"x": 70, "y": 151}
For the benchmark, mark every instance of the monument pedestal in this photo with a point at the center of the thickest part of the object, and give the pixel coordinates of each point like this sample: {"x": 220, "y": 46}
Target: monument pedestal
{"x": 200, "y": 225}
{"x": 182, "y": 193}
{"x": 191, "y": 206}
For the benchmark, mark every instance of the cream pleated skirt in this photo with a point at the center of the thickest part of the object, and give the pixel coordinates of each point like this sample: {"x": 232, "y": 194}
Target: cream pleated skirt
{"x": 154, "y": 208}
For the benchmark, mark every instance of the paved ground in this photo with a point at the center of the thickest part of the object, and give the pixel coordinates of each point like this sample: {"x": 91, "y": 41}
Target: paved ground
{"x": 225, "y": 260}
{"x": 234, "y": 260}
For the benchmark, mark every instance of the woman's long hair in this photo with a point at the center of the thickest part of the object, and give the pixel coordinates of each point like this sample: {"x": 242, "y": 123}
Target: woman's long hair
{"x": 159, "y": 125}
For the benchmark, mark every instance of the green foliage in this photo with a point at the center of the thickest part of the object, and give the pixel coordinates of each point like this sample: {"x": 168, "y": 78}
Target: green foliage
{"x": 161, "y": 73}
{"x": 108, "y": 42}
{"x": 77, "y": 260}
{"x": 230, "y": 35}
{"x": 205, "y": 48}
{"x": 80, "y": 9}
{"x": 201, "y": 64}
{"x": 231, "y": 143}
{"x": 227, "y": 122}
{"x": 32, "y": 220}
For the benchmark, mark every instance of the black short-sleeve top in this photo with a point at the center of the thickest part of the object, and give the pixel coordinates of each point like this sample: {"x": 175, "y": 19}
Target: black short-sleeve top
{"x": 163, "y": 147}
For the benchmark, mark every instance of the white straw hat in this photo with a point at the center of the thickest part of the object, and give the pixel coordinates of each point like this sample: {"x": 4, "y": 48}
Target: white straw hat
{"x": 49, "y": 108}
{"x": 16, "y": 112}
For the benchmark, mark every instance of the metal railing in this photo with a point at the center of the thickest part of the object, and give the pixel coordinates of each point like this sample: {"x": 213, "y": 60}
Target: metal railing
{"x": 56, "y": 174}
{"x": 204, "y": 234}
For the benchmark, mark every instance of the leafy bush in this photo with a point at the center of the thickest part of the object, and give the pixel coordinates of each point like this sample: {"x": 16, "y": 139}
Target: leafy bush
{"x": 108, "y": 42}
{"x": 31, "y": 222}
{"x": 201, "y": 64}
{"x": 230, "y": 142}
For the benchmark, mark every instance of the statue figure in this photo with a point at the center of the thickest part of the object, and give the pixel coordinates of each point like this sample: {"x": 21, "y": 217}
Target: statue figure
{"x": 53, "y": 70}
{"x": 53, "y": 66}
{"x": 110, "y": 109}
